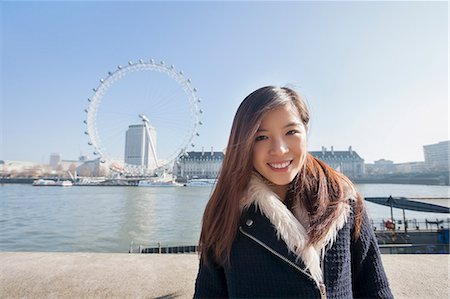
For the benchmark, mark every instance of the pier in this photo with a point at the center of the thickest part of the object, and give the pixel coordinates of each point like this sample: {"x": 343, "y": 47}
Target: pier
{"x": 109, "y": 275}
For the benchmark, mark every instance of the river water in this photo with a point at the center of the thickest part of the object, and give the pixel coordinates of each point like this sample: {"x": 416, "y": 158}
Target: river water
{"x": 109, "y": 219}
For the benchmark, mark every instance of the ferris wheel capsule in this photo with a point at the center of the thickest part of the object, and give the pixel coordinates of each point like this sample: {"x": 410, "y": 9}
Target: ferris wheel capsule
{"x": 101, "y": 80}
{"x": 119, "y": 67}
{"x": 141, "y": 61}
{"x": 85, "y": 122}
{"x": 162, "y": 62}
{"x": 130, "y": 62}
{"x": 152, "y": 61}
{"x": 94, "y": 89}
{"x": 110, "y": 73}
{"x": 89, "y": 99}
{"x": 201, "y": 110}
{"x": 85, "y": 110}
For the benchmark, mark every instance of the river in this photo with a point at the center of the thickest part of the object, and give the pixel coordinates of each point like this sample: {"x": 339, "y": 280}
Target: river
{"x": 109, "y": 219}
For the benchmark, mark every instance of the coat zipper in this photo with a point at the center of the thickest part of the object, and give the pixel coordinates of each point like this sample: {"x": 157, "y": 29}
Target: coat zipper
{"x": 320, "y": 286}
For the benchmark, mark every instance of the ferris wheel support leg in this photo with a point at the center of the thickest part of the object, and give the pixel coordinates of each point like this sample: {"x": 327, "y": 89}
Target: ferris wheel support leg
{"x": 152, "y": 147}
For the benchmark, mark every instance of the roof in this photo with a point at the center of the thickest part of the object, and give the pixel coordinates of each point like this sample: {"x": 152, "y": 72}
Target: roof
{"x": 199, "y": 155}
{"x": 337, "y": 155}
{"x": 405, "y": 203}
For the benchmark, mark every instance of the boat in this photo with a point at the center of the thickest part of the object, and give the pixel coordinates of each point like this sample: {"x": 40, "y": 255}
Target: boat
{"x": 201, "y": 183}
{"x": 147, "y": 183}
{"x": 159, "y": 182}
{"x": 43, "y": 182}
{"x": 392, "y": 239}
{"x": 88, "y": 181}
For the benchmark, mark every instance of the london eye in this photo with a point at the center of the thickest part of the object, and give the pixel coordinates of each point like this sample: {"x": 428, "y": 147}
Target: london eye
{"x": 142, "y": 116}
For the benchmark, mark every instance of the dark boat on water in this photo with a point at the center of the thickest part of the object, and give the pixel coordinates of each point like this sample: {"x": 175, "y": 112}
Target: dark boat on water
{"x": 412, "y": 240}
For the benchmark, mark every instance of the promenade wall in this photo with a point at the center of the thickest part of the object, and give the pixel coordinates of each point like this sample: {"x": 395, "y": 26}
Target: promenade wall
{"x": 106, "y": 275}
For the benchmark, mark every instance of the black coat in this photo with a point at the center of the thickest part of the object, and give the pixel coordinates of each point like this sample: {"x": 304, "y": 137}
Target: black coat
{"x": 261, "y": 266}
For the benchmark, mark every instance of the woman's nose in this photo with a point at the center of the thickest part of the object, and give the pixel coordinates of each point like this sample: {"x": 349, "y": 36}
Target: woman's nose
{"x": 278, "y": 147}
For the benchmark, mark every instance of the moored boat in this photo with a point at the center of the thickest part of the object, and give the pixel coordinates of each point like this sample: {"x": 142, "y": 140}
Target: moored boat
{"x": 201, "y": 183}
{"x": 158, "y": 183}
{"x": 43, "y": 182}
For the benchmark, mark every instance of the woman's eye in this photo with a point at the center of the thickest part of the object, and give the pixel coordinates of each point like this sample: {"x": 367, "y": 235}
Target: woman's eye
{"x": 259, "y": 138}
{"x": 292, "y": 132}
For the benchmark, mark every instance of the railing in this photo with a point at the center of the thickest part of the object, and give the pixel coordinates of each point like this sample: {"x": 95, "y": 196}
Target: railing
{"x": 419, "y": 237}
{"x": 163, "y": 248}
{"x": 411, "y": 225}
{"x": 414, "y": 248}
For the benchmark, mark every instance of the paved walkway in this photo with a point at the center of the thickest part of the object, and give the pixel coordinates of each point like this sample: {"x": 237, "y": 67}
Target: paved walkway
{"x": 103, "y": 275}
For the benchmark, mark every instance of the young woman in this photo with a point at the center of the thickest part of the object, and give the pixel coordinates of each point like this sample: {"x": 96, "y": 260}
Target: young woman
{"x": 281, "y": 223}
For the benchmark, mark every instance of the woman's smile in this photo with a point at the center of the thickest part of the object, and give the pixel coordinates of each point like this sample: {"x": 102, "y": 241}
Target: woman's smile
{"x": 280, "y": 166}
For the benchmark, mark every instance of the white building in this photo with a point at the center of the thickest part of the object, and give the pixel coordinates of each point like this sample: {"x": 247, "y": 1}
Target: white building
{"x": 137, "y": 146}
{"x": 202, "y": 165}
{"x": 437, "y": 156}
{"x": 347, "y": 162}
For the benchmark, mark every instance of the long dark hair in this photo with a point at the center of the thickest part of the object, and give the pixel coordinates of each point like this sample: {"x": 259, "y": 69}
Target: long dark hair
{"x": 318, "y": 186}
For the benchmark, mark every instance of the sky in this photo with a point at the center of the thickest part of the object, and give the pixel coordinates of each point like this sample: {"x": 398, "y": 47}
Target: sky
{"x": 375, "y": 74}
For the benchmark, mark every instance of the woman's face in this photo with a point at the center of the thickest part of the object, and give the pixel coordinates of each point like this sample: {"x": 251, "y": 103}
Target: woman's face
{"x": 280, "y": 145}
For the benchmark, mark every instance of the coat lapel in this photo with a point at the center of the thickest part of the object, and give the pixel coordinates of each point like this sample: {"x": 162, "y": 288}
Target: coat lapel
{"x": 288, "y": 228}
{"x": 255, "y": 224}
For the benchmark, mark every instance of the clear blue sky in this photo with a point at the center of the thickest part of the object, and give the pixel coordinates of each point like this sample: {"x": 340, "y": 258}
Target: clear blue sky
{"x": 375, "y": 73}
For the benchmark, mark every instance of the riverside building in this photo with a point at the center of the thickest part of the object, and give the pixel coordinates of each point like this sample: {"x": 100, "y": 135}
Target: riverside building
{"x": 347, "y": 162}
{"x": 206, "y": 165}
{"x": 199, "y": 165}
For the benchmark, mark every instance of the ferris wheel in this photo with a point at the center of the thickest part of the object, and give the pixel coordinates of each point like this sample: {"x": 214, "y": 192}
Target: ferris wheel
{"x": 142, "y": 116}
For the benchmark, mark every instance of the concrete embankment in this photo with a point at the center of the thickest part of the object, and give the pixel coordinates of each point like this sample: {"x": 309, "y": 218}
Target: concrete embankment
{"x": 104, "y": 275}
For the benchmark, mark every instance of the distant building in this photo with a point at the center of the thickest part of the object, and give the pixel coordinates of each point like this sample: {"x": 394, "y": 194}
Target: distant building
{"x": 55, "y": 160}
{"x": 137, "y": 146}
{"x": 202, "y": 165}
{"x": 410, "y": 167}
{"x": 22, "y": 168}
{"x": 83, "y": 158}
{"x": 90, "y": 168}
{"x": 347, "y": 162}
{"x": 69, "y": 165}
{"x": 437, "y": 156}
{"x": 381, "y": 166}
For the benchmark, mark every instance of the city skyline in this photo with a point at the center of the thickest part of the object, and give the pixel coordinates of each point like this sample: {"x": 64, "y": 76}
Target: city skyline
{"x": 375, "y": 75}
{"x": 211, "y": 148}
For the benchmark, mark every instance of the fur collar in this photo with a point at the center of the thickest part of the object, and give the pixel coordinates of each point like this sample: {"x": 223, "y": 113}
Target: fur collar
{"x": 288, "y": 226}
